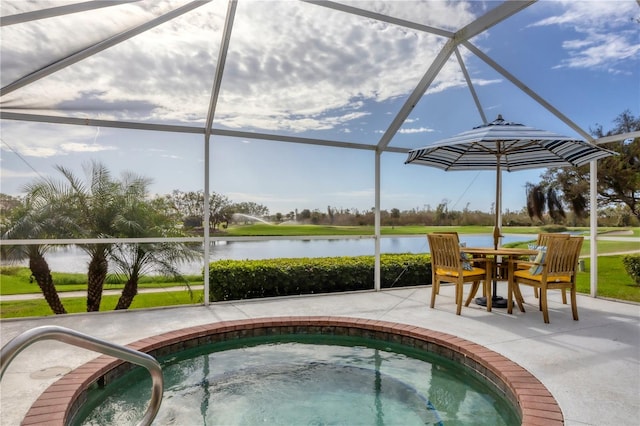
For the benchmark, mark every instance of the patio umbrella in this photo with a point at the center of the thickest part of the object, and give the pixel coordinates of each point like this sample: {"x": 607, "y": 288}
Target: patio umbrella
{"x": 502, "y": 145}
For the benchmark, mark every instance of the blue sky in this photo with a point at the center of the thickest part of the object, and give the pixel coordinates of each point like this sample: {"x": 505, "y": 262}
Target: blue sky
{"x": 303, "y": 70}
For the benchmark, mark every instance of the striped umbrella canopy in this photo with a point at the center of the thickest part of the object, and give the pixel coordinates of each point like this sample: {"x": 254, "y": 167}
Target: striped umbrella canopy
{"x": 502, "y": 145}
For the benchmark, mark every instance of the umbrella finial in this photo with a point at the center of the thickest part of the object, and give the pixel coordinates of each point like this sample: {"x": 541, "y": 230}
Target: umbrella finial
{"x": 500, "y": 119}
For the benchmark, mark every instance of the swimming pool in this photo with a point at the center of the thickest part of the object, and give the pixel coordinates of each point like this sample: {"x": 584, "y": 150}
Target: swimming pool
{"x": 305, "y": 380}
{"x": 528, "y": 398}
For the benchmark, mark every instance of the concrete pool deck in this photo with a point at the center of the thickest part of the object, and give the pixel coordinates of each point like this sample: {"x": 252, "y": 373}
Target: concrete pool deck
{"x": 591, "y": 366}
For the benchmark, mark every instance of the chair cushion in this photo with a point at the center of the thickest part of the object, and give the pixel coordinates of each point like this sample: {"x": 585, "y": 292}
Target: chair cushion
{"x": 542, "y": 253}
{"x": 538, "y": 277}
{"x": 465, "y": 273}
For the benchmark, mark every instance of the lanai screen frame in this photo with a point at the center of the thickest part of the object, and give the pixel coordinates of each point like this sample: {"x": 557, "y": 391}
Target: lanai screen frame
{"x": 454, "y": 39}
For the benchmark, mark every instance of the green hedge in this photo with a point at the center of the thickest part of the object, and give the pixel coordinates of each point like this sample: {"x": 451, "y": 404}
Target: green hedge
{"x": 248, "y": 279}
{"x": 632, "y": 266}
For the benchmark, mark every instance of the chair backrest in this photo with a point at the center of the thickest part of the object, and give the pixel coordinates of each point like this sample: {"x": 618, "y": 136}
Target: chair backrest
{"x": 562, "y": 256}
{"x": 445, "y": 251}
{"x": 543, "y": 239}
{"x": 448, "y": 233}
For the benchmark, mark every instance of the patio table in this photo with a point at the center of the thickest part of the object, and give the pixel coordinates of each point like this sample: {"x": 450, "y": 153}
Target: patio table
{"x": 501, "y": 256}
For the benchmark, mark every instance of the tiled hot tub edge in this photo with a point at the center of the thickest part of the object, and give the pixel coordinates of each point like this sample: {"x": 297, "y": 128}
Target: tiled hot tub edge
{"x": 58, "y": 404}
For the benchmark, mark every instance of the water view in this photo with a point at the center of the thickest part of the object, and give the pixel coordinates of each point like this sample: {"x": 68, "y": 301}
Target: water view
{"x": 72, "y": 259}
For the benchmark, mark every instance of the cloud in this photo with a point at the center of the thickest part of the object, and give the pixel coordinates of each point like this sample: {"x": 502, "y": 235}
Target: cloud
{"x": 312, "y": 68}
{"x": 415, "y": 130}
{"x": 607, "y": 29}
{"x": 84, "y": 147}
{"x": 46, "y": 140}
{"x": 8, "y": 173}
{"x": 600, "y": 51}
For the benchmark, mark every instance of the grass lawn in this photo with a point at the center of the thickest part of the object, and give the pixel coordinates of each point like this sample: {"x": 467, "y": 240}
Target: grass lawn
{"x": 39, "y": 308}
{"x": 613, "y": 280}
{"x": 16, "y": 280}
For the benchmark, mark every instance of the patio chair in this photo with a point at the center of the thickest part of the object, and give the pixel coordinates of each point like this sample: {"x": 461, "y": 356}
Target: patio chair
{"x": 455, "y": 233}
{"x": 543, "y": 241}
{"x": 476, "y": 284}
{"x": 447, "y": 265}
{"x": 556, "y": 270}
{"x": 475, "y": 258}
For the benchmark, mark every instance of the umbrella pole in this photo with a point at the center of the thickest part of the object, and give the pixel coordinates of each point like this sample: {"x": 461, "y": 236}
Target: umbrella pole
{"x": 497, "y": 301}
{"x": 496, "y": 229}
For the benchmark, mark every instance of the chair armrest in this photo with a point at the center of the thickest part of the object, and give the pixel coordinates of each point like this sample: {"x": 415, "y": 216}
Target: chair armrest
{"x": 519, "y": 265}
{"x": 518, "y": 262}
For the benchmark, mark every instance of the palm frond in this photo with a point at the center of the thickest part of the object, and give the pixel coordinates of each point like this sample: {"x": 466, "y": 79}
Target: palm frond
{"x": 535, "y": 201}
{"x": 579, "y": 205}
{"x": 554, "y": 205}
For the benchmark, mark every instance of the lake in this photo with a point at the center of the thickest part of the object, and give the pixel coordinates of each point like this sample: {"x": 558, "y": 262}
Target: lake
{"x": 72, "y": 259}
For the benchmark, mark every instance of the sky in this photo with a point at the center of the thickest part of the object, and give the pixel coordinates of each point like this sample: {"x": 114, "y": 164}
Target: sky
{"x": 299, "y": 69}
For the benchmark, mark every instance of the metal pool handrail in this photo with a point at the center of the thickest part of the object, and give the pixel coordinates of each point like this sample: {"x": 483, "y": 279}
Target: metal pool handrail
{"x": 72, "y": 337}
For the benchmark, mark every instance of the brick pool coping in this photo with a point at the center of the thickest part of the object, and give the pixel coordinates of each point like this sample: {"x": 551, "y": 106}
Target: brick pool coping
{"x": 536, "y": 405}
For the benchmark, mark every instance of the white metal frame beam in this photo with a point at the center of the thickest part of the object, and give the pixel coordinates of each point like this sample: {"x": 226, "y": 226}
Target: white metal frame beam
{"x": 306, "y": 141}
{"x": 618, "y": 138}
{"x": 486, "y": 21}
{"x": 593, "y": 202}
{"x": 53, "y": 119}
{"x": 417, "y": 93}
{"x": 51, "y": 12}
{"x": 492, "y": 17}
{"x": 472, "y": 89}
{"x": 380, "y": 17}
{"x": 215, "y": 91}
{"x": 220, "y": 64}
{"x": 493, "y": 64}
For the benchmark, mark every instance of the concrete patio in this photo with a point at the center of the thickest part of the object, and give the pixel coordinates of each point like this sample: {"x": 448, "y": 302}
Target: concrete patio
{"x": 591, "y": 366}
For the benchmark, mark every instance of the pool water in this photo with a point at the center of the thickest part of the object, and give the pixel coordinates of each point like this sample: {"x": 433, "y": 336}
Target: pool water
{"x": 304, "y": 380}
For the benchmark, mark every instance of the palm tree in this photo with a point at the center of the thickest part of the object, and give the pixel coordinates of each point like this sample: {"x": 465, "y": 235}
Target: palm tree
{"x": 108, "y": 208}
{"x": 34, "y": 221}
{"x": 136, "y": 260}
{"x": 618, "y": 177}
{"x": 539, "y": 198}
{"x": 139, "y": 219}
{"x": 97, "y": 208}
{"x": 94, "y": 208}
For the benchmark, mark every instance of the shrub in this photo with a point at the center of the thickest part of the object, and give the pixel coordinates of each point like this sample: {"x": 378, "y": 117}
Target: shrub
{"x": 11, "y": 270}
{"x": 632, "y": 266}
{"x": 247, "y": 279}
{"x": 553, "y": 228}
